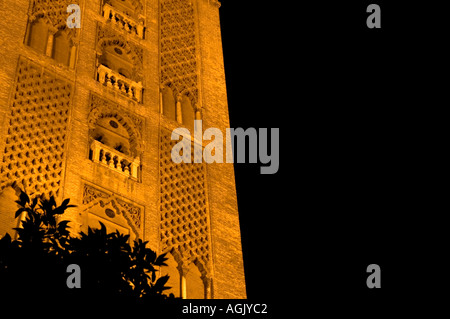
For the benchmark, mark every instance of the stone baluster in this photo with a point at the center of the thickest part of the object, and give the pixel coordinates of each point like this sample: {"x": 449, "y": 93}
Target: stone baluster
{"x": 110, "y": 162}
{"x": 101, "y": 74}
{"x": 103, "y": 157}
{"x": 116, "y": 82}
{"x": 120, "y": 83}
{"x": 126, "y": 169}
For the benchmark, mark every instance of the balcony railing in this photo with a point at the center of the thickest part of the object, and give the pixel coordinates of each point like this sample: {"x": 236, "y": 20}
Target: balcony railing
{"x": 118, "y": 82}
{"x": 123, "y": 21}
{"x": 115, "y": 160}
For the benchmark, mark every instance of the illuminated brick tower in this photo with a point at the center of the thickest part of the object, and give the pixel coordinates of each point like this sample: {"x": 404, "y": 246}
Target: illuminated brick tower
{"x": 87, "y": 114}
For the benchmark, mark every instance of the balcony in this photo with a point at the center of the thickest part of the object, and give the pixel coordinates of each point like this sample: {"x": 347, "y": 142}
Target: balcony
{"x": 119, "y": 83}
{"x": 115, "y": 160}
{"x": 122, "y": 21}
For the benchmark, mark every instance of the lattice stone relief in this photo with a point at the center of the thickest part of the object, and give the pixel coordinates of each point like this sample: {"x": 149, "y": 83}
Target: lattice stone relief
{"x": 134, "y": 214}
{"x": 179, "y": 69}
{"x": 36, "y": 137}
{"x": 183, "y": 207}
{"x": 107, "y": 37}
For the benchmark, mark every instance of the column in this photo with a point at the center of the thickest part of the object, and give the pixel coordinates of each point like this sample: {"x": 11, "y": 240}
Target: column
{"x": 101, "y": 74}
{"x": 73, "y": 53}
{"x": 51, "y": 36}
{"x": 183, "y": 288}
{"x": 207, "y": 281}
{"x": 140, "y": 30}
{"x": 198, "y": 113}
{"x": 134, "y": 167}
{"x": 178, "y": 109}
{"x": 138, "y": 91}
{"x": 161, "y": 104}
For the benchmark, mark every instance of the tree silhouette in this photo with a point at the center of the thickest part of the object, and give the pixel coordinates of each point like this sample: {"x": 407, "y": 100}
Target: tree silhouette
{"x": 33, "y": 267}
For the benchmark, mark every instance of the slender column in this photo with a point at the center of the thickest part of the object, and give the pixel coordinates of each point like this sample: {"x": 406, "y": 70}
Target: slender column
{"x": 161, "y": 104}
{"x": 198, "y": 113}
{"x": 73, "y": 53}
{"x": 140, "y": 30}
{"x": 95, "y": 151}
{"x": 207, "y": 281}
{"x": 183, "y": 288}
{"x": 178, "y": 110}
{"x": 138, "y": 92}
{"x": 49, "y": 49}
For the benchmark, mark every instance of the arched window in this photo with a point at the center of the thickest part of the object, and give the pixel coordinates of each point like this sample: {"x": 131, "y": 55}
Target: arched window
{"x": 168, "y": 101}
{"x": 187, "y": 112}
{"x": 38, "y": 36}
{"x": 58, "y": 46}
{"x": 186, "y": 283}
{"x": 195, "y": 287}
{"x": 61, "y": 48}
{"x": 116, "y": 59}
{"x": 174, "y": 276}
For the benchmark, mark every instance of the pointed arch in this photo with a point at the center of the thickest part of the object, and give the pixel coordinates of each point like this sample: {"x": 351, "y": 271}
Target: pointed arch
{"x": 116, "y": 42}
{"x": 172, "y": 269}
{"x": 62, "y": 45}
{"x": 168, "y": 101}
{"x": 187, "y": 111}
{"x": 194, "y": 283}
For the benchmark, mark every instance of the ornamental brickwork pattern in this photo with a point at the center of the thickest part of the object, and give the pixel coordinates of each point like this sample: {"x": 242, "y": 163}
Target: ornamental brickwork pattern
{"x": 184, "y": 213}
{"x": 36, "y": 138}
{"x": 178, "y": 48}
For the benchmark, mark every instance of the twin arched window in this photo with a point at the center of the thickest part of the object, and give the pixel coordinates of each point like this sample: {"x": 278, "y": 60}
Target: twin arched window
{"x": 178, "y": 109}
{"x": 186, "y": 281}
{"x": 54, "y": 43}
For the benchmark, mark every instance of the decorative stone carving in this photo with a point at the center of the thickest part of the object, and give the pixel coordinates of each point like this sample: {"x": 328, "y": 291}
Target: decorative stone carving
{"x": 133, "y": 213}
{"x": 36, "y": 138}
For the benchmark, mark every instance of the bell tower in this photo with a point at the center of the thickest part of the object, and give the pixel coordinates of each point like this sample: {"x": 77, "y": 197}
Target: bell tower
{"x": 87, "y": 114}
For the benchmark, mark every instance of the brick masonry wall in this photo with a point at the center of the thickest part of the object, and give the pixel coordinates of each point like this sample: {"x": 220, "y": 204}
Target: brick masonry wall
{"x": 228, "y": 273}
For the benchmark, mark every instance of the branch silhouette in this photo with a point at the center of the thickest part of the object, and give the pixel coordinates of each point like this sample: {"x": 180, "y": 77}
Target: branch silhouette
{"x": 33, "y": 266}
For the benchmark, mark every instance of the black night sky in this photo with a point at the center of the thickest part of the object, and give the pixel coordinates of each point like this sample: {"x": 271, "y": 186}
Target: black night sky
{"x": 346, "y": 194}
